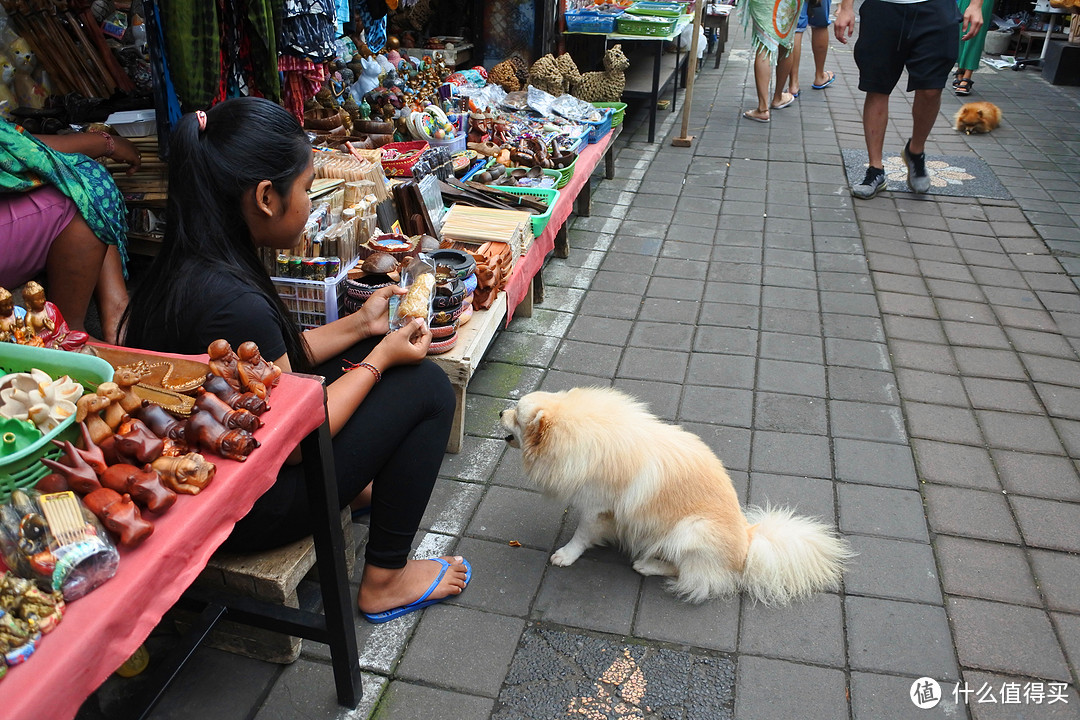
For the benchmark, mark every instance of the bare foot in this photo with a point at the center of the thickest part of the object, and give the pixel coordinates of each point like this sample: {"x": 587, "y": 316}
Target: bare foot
{"x": 385, "y": 589}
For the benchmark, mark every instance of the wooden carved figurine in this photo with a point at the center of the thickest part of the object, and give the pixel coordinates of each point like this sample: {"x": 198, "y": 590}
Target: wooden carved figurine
{"x": 126, "y": 379}
{"x": 81, "y": 476}
{"x": 257, "y": 375}
{"x": 88, "y": 408}
{"x": 118, "y": 514}
{"x": 234, "y": 398}
{"x": 46, "y": 322}
{"x": 223, "y": 362}
{"x": 162, "y": 423}
{"x": 144, "y": 485}
{"x": 211, "y": 436}
{"x": 114, "y": 413}
{"x": 8, "y": 321}
{"x": 133, "y": 443}
{"x": 241, "y": 419}
{"x": 187, "y": 474}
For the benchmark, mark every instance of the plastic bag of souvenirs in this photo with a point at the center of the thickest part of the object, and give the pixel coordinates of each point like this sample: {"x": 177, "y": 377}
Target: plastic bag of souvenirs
{"x": 418, "y": 279}
{"x": 57, "y": 542}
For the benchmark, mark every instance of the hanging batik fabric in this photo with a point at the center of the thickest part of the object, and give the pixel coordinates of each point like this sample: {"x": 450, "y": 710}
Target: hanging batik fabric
{"x": 308, "y": 29}
{"x": 373, "y": 17}
{"x": 303, "y": 78}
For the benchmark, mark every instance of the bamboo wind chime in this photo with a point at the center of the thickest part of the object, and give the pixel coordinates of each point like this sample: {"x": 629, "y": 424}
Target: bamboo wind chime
{"x": 70, "y": 46}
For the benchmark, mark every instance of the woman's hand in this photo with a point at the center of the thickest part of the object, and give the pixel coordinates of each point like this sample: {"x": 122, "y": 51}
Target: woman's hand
{"x": 374, "y": 317}
{"x": 125, "y": 151}
{"x": 406, "y": 346}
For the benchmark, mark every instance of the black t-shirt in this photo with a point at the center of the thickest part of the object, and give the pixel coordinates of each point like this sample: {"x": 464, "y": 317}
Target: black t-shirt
{"x": 223, "y": 307}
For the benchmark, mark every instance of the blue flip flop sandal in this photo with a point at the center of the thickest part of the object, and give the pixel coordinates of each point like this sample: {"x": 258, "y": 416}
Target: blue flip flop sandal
{"x": 827, "y": 83}
{"x": 423, "y": 601}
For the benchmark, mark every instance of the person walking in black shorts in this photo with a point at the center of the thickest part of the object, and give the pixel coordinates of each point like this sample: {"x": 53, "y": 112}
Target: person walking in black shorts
{"x": 920, "y": 36}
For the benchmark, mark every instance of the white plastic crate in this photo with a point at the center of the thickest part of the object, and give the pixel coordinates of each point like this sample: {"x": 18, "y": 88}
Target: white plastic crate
{"x": 314, "y": 303}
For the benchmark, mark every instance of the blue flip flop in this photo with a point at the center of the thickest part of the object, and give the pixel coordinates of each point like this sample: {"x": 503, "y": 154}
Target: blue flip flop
{"x": 422, "y": 602}
{"x": 827, "y": 83}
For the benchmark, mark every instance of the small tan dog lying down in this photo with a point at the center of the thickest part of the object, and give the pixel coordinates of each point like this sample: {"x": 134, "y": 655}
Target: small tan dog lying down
{"x": 663, "y": 496}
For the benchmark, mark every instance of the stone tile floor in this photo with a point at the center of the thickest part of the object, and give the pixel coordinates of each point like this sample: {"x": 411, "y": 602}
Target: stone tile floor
{"x": 905, "y": 367}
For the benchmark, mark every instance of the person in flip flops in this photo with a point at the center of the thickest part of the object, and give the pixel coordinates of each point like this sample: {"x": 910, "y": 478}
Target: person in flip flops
{"x": 772, "y": 26}
{"x": 921, "y": 36}
{"x": 971, "y": 51}
{"x": 815, "y": 15}
{"x": 238, "y": 181}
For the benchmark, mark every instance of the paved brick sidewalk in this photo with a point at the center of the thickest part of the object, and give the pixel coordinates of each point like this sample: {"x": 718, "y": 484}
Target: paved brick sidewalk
{"x": 905, "y": 367}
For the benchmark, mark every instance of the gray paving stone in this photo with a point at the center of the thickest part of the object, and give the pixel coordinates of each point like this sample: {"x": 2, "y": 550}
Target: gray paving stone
{"x": 475, "y": 460}
{"x": 1060, "y": 401}
{"x": 542, "y": 322}
{"x": 849, "y": 303}
{"x": 866, "y": 421}
{"x": 1048, "y": 476}
{"x": 854, "y": 327}
{"x": 680, "y": 290}
{"x": 942, "y": 422}
{"x": 927, "y": 387}
{"x": 482, "y": 416}
{"x": 507, "y": 514}
{"x": 808, "y": 497}
{"x": 953, "y": 464}
{"x": 894, "y": 569}
{"x": 1025, "y": 318}
{"x": 522, "y": 349}
{"x": 726, "y": 340}
{"x": 406, "y": 701}
{"x": 660, "y": 365}
{"x": 505, "y": 380}
{"x": 731, "y": 444}
{"x": 732, "y": 292}
{"x": 587, "y": 358}
{"x": 794, "y": 413}
{"x": 975, "y": 335}
{"x": 461, "y": 649}
{"x": 1068, "y": 627}
{"x": 990, "y": 571}
{"x": 511, "y": 576}
{"x": 1069, "y": 431}
{"x": 964, "y": 311}
{"x": 925, "y": 330}
{"x": 888, "y": 697}
{"x": 885, "y": 512}
{"x": 555, "y": 380}
{"x": 873, "y": 386}
{"x": 809, "y": 631}
{"x": 729, "y": 314}
{"x": 970, "y": 513}
{"x": 1004, "y": 638}
{"x": 1010, "y": 395}
{"x": 985, "y": 692}
{"x": 589, "y": 594}
{"x": 922, "y": 356}
{"x": 1042, "y": 343}
{"x": 982, "y": 362}
{"x": 788, "y": 346}
{"x": 304, "y": 687}
{"x": 911, "y": 305}
{"x": 777, "y": 689}
{"x": 857, "y": 353}
{"x": 669, "y": 310}
{"x": 608, "y": 304}
{"x": 790, "y": 454}
{"x": 1041, "y": 522}
{"x": 713, "y": 624}
{"x": 782, "y": 376}
{"x": 789, "y": 320}
{"x": 731, "y": 371}
{"x": 955, "y": 290}
{"x": 1017, "y": 431}
{"x": 661, "y": 398}
{"x": 874, "y": 463}
{"x": 722, "y": 406}
{"x": 1058, "y": 576}
{"x": 588, "y": 328}
{"x": 899, "y": 637}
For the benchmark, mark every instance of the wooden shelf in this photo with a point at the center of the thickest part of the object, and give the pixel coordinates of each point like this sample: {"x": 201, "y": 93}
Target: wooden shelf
{"x": 640, "y": 75}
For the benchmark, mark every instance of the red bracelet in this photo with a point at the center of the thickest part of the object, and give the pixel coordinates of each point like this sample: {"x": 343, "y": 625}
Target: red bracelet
{"x": 110, "y": 145}
{"x": 366, "y": 365}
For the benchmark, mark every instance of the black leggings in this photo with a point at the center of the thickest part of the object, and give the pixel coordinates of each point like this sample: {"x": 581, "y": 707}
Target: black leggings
{"x": 395, "y": 439}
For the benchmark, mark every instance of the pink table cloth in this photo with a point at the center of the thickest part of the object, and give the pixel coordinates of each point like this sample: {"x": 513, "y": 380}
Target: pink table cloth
{"x": 517, "y": 287}
{"x": 101, "y": 630}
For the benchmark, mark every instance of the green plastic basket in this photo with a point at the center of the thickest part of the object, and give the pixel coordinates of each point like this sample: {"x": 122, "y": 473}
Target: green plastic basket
{"x": 562, "y": 176}
{"x": 618, "y": 107}
{"x": 658, "y": 9}
{"x": 631, "y": 25}
{"x": 23, "y": 469}
{"x": 547, "y": 196}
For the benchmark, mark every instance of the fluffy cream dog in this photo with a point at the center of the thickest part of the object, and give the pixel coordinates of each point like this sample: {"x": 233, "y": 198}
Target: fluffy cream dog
{"x": 665, "y": 497}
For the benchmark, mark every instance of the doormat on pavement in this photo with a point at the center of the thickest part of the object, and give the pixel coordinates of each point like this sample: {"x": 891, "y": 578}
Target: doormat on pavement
{"x": 956, "y": 175}
{"x": 557, "y": 674}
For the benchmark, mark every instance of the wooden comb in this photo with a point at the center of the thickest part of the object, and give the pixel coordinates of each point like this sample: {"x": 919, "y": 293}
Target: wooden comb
{"x": 63, "y": 512}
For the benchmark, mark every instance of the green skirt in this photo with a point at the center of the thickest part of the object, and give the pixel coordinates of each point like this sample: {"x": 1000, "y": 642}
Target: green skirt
{"x": 971, "y": 50}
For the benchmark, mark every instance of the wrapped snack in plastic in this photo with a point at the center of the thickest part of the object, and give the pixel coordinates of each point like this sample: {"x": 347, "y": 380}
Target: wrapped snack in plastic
{"x": 418, "y": 278}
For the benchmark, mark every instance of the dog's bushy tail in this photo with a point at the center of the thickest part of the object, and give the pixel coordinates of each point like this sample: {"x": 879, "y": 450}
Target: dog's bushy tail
{"x": 791, "y": 557}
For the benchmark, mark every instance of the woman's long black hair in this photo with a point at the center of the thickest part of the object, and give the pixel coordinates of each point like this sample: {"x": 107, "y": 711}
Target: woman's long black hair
{"x": 246, "y": 140}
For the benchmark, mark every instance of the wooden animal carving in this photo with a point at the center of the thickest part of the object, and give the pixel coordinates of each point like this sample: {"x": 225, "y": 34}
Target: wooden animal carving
{"x": 211, "y": 436}
{"x": 143, "y": 484}
{"x": 161, "y": 422}
{"x": 187, "y": 474}
{"x": 234, "y": 398}
{"x": 126, "y": 379}
{"x": 135, "y": 443}
{"x": 608, "y": 85}
{"x": 88, "y": 411}
{"x": 235, "y": 419}
{"x": 114, "y": 413}
{"x": 120, "y": 515}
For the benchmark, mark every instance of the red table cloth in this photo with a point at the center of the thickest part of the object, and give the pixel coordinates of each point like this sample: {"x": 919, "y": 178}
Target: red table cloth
{"x": 517, "y": 287}
{"x": 101, "y": 630}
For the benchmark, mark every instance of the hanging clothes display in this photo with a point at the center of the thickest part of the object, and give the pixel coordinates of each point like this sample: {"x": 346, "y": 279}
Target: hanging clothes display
{"x": 308, "y": 29}
{"x": 372, "y": 16}
{"x": 303, "y": 78}
{"x": 220, "y": 48}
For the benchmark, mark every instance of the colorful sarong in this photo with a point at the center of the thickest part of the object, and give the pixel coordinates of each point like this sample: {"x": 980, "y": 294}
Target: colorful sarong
{"x": 772, "y": 24}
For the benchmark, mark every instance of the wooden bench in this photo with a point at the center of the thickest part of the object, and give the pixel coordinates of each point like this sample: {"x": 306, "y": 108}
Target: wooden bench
{"x": 272, "y": 576}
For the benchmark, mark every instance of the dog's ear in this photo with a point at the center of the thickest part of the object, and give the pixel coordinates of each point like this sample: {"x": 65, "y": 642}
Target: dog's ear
{"x": 537, "y": 428}
{"x": 980, "y": 112}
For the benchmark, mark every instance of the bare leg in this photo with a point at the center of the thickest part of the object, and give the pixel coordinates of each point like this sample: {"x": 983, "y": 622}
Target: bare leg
{"x": 384, "y": 589}
{"x": 924, "y": 111}
{"x": 819, "y": 42}
{"x": 796, "y": 55}
{"x": 783, "y": 71}
{"x": 73, "y": 267}
{"x": 112, "y": 295}
{"x": 875, "y": 118}
{"x": 591, "y": 530}
{"x": 762, "y": 76}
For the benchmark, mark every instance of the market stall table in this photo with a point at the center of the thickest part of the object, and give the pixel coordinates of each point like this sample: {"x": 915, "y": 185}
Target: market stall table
{"x": 101, "y": 630}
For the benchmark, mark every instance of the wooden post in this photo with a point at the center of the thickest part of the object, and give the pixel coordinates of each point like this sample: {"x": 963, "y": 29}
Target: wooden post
{"x": 684, "y": 139}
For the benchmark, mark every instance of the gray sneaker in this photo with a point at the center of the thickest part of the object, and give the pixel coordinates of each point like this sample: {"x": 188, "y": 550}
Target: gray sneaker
{"x": 872, "y": 184}
{"x": 917, "y": 177}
